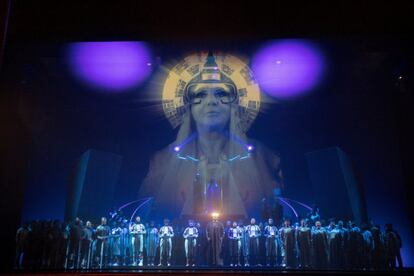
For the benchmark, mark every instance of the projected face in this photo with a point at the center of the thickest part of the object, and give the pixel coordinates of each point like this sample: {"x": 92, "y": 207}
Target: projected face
{"x": 210, "y": 104}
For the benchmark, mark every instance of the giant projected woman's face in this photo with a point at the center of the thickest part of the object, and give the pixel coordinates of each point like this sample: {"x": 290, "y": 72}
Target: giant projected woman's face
{"x": 210, "y": 104}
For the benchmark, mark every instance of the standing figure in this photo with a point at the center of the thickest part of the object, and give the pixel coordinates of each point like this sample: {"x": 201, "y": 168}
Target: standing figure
{"x": 337, "y": 255}
{"x": 234, "y": 235}
{"x": 152, "y": 243}
{"x": 21, "y": 245}
{"x": 393, "y": 246}
{"x": 102, "y": 235}
{"x": 137, "y": 230}
{"x": 75, "y": 236}
{"x": 368, "y": 247}
{"x": 272, "y": 239}
{"x": 320, "y": 246}
{"x": 378, "y": 254}
{"x": 86, "y": 251}
{"x": 244, "y": 243}
{"x": 288, "y": 244}
{"x": 116, "y": 245}
{"x": 201, "y": 245}
{"x": 355, "y": 243}
{"x": 253, "y": 231}
{"x": 313, "y": 215}
{"x": 126, "y": 243}
{"x": 166, "y": 233}
{"x": 304, "y": 239}
{"x": 190, "y": 243}
{"x": 229, "y": 173}
{"x": 215, "y": 234}
{"x": 226, "y": 243}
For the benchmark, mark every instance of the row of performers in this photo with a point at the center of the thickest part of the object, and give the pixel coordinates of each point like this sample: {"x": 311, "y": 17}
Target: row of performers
{"x": 301, "y": 245}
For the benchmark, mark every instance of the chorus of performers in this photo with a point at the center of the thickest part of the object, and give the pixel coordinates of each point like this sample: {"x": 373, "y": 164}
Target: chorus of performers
{"x": 308, "y": 244}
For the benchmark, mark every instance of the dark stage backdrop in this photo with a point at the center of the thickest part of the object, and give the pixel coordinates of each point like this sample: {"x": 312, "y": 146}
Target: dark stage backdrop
{"x": 72, "y": 108}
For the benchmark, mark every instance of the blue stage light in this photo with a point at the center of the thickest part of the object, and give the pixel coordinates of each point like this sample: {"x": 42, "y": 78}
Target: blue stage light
{"x": 110, "y": 66}
{"x": 288, "y": 68}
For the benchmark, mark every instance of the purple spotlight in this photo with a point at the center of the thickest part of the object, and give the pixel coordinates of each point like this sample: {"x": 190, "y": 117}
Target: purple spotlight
{"x": 249, "y": 147}
{"x": 288, "y": 68}
{"x": 112, "y": 66}
{"x": 177, "y": 148}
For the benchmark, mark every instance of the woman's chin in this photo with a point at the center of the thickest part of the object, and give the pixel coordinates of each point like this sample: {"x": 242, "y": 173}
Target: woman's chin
{"x": 214, "y": 127}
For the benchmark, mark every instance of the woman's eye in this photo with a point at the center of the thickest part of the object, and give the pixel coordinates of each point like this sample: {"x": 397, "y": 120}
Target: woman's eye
{"x": 221, "y": 94}
{"x": 200, "y": 95}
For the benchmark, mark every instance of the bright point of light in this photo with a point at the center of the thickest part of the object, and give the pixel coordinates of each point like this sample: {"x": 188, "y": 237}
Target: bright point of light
{"x": 215, "y": 215}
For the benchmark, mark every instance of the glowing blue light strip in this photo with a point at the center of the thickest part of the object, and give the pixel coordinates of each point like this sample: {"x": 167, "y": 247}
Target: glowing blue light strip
{"x": 300, "y": 203}
{"x": 290, "y": 206}
{"x": 129, "y": 203}
{"x": 139, "y": 206}
{"x": 235, "y": 157}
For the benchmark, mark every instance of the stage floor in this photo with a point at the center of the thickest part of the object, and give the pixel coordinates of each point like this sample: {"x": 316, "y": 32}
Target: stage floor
{"x": 208, "y": 271}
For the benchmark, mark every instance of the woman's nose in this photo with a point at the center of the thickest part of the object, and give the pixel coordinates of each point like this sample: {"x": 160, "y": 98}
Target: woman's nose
{"x": 211, "y": 99}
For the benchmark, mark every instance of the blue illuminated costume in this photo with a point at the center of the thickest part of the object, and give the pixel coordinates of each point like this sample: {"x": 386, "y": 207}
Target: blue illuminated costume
{"x": 271, "y": 234}
{"x": 165, "y": 234}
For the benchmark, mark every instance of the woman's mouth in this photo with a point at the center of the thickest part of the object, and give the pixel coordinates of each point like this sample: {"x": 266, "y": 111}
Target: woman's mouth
{"x": 212, "y": 113}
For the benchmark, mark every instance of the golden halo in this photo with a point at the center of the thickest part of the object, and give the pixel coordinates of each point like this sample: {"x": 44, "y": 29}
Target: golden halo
{"x": 231, "y": 66}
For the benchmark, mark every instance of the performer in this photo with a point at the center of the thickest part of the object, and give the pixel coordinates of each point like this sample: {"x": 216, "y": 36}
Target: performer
{"x": 304, "y": 238}
{"x": 126, "y": 242}
{"x": 21, "y": 245}
{"x": 320, "y": 246}
{"x": 75, "y": 235}
{"x": 201, "y": 245}
{"x": 313, "y": 215}
{"x": 234, "y": 236}
{"x": 190, "y": 243}
{"x": 393, "y": 246}
{"x": 56, "y": 245}
{"x": 288, "y": 244}
{"x": 166, "y": 233}
{"x": 215, "y": 234}
{"x": 116, "y": 244}
{"x": 137, "y": 231}
{"x": 226, "y": 243}
{"x": 152, "y": 243}
{"x": 86, "y": 251}
{"x": 272, "y": 240}
{"x": 378, "y": 254}
{"x": 244, "y": 243}
{"x": 212, "y": 163}
{"x": 337, "y": 242}
{"x": 367, "y": 248}
{"x": 102, "y": 234}
{"x": 355, "y": 244}
{"x": 253, "y": 231}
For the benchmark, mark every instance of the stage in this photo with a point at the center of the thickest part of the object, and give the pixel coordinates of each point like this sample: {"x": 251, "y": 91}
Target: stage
{"x": 211, "y": 271}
